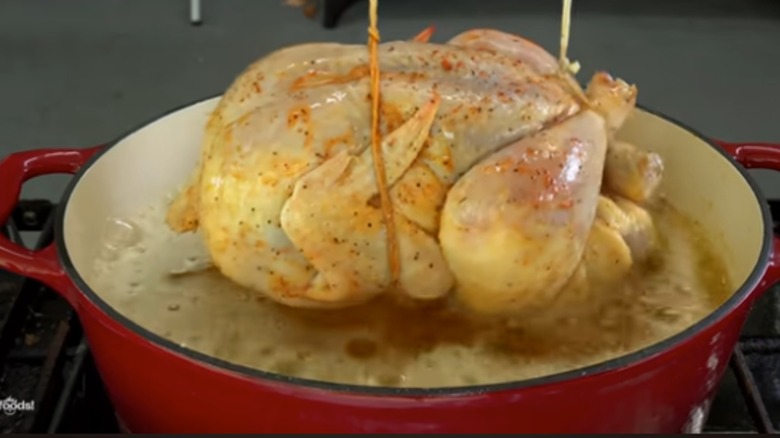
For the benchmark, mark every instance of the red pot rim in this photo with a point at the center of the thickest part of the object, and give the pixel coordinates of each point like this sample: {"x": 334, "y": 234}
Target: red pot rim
{"x": 631, "y": 359}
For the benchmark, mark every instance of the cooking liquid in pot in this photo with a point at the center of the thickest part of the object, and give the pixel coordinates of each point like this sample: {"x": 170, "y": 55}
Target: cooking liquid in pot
{"x": 387, "y": 344}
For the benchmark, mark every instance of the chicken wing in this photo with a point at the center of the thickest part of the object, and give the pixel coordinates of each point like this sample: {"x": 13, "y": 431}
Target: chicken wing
{"x": 346, "y": 243}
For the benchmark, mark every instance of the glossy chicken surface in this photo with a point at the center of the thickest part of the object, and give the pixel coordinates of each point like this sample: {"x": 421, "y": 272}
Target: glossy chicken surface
{"x": 495, "y": 162}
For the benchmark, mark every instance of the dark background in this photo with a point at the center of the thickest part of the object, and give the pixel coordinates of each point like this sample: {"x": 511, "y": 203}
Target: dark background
{"x": 80, "y": 72}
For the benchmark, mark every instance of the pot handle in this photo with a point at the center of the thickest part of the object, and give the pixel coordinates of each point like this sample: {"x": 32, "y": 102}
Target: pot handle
{"x": 760, "y": 156}
{"x": 43, "y": 264}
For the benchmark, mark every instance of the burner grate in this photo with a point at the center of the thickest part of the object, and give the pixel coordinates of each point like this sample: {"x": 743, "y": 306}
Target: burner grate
{"x": 754, "y": 397}
{"x": 44, "y": 357}
{"x": 43, "y": 354}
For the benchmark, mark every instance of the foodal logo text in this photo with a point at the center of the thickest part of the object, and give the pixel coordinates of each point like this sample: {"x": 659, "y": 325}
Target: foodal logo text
{"x": 11, "y": 406}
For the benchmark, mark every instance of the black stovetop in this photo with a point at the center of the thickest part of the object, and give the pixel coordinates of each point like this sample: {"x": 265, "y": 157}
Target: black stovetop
{"x": 45, "y": 358}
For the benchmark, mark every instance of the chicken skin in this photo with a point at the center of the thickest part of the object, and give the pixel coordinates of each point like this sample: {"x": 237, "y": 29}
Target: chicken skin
{"x": 494, "y": 160}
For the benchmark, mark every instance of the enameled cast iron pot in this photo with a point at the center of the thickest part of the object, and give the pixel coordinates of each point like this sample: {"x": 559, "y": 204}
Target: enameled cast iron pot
{"x": 157, "y": 386}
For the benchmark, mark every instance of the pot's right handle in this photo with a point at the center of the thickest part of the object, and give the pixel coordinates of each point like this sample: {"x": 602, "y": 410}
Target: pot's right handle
{"x": 15, "y": 169}
{"x": 760, "y": 156}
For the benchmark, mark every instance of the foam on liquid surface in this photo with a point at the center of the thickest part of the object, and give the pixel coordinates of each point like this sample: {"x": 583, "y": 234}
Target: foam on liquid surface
{"x": 139, "y": 274}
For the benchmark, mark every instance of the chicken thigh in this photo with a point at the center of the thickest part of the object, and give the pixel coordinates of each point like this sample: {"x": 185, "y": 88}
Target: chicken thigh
{"x": 515, "y": 225}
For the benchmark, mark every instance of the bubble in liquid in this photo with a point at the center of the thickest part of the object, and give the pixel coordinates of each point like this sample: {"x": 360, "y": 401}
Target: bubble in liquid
{"x": 108, "y": 256}
{"x": 391, "y": 380}
{"x": 192, "y": 264}
{"x": 469, "y": 380}
{"x": 667, "y": 314}
{"x": 360, "y": 348}
{"x": 267, "y": 351}
{"x": 119, "y": 234}
{"x": 286, "y": 367}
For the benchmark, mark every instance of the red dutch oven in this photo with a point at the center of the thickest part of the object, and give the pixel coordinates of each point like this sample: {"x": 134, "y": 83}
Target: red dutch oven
{"x": 158, "y": 386}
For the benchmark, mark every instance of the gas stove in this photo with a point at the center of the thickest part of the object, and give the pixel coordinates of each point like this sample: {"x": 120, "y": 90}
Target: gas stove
{"x": 49, "y": 383}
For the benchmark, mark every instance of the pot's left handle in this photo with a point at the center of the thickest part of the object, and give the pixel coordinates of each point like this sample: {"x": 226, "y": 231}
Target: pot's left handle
{"x": 760, "y": 156}
{"x": 15, "y": 169}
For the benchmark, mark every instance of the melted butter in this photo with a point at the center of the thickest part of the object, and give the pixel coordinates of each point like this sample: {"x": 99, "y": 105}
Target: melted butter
{"x": 390, "y": 343}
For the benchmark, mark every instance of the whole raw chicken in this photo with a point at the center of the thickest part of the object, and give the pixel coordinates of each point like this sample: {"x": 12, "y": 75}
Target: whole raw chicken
{"x": 495, "y": 162}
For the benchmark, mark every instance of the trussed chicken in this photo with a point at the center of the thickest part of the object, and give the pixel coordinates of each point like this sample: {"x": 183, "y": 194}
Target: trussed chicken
{"x": 495, "y": 162}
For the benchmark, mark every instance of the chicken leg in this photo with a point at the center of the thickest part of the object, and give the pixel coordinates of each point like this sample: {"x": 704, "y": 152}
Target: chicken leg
{"x": 514, "y": 228}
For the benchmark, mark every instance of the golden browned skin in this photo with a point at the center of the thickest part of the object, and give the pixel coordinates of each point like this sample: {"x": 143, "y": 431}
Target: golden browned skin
{"x": 632, "y": 172}
{"x": 287, "y": 202}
